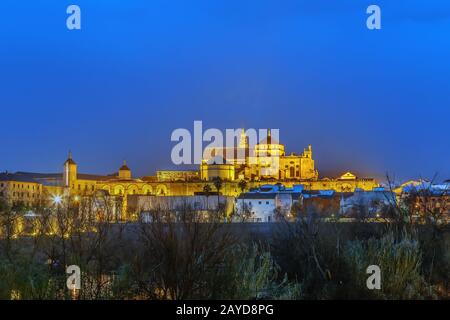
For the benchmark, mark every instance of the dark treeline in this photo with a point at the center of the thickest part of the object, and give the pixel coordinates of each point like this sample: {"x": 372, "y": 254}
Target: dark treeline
{"x": 191, "y": 259}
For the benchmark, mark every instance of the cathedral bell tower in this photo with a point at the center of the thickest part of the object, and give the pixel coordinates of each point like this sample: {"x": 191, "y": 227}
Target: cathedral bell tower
{"x": 70, "y": 171}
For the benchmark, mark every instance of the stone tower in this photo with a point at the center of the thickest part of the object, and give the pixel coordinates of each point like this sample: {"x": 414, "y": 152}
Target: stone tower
{"x": 243, "y": 140}
{"x": 70, "y": 171}
{"x": 307, "y": 167}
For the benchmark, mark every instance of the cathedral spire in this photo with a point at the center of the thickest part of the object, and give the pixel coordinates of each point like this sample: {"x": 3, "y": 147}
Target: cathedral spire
{"x": 70, "y": 159}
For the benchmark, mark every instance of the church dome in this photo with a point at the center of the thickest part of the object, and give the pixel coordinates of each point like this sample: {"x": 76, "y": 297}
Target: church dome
{"x": 269, "y": 140}
{"x": 124, "y": 167}
{"x": 69, "y": 159}
{"x": 124, "y": 171}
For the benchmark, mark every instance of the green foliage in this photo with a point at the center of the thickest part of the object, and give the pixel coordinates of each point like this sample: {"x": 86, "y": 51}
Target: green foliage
{"x": 251, "y": 273}
{"x": 308, "y": 259}
{"x": 123, "y": 285}
{"x": 242, "y": 184}
{"x": 27, "y": 280}
{"x": 218, "y": 183}
{"x": 400, "y": 261}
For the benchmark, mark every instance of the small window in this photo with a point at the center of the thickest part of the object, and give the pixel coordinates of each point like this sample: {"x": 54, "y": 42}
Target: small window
{"x": 260, "y": 202}
{"x": 267, "y": 202}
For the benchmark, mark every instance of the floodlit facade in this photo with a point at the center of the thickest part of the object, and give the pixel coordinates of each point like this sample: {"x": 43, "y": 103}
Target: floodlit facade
{"x": 265, "y": 160}
{"x": 265, "y": 163}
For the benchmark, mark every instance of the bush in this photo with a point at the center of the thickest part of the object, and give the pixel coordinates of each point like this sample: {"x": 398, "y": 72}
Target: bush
{"x": 400, "y": 261}
{"x": 251, "y": 273}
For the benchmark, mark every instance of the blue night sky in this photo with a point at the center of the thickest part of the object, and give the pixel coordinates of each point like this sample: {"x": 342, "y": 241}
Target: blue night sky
{"x": 369, "y": 101}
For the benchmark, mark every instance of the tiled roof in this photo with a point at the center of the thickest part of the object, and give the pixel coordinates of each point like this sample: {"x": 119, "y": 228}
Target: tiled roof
{"x": 85, "y": 176}
{"x": 257, "y": 196}
{"x": 36, "y": 175}
{"x": 16, "y": 177}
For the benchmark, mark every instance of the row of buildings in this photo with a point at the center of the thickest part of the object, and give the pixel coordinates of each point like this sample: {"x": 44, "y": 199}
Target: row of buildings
{"x": 253, "y": 164}
{"x": 267, "y": 187}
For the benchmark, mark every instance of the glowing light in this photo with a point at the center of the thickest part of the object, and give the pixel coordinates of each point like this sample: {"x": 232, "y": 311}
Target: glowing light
{"x": 57, "y": 199}
{"x": 76, "y": 198}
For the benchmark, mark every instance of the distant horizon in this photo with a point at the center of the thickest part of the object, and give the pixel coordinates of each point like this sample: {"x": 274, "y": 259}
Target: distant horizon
{"x": 327, "y": 173}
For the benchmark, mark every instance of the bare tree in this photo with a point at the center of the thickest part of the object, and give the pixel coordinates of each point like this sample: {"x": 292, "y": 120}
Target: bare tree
{"x": 182, "y": 255}
{"x": 244, "y": 213}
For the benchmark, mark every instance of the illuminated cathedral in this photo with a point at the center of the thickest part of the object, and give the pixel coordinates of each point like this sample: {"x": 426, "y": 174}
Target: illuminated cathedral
{"x": 267, "y": 160}
{"x": 264, "y": 163}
